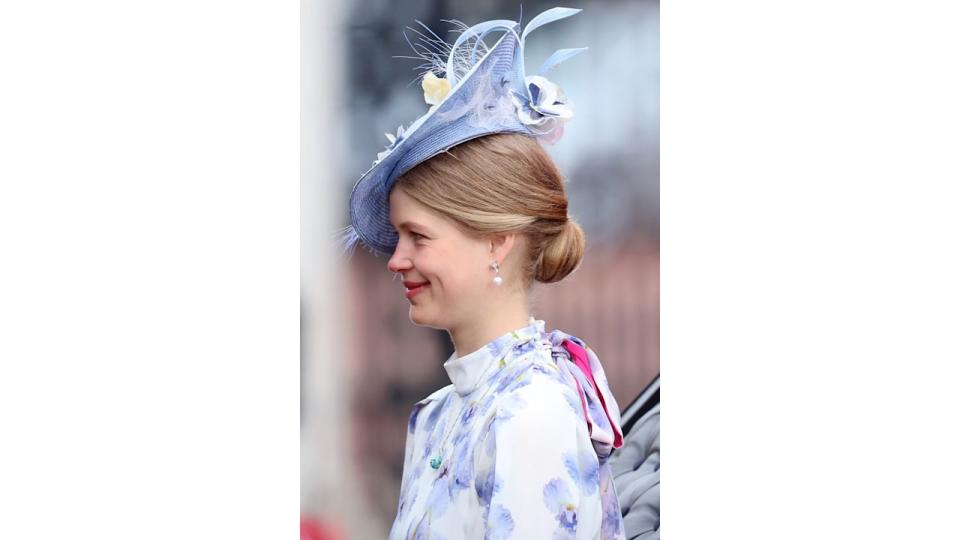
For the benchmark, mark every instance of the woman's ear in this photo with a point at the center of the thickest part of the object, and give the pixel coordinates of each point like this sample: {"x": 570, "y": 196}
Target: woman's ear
{"x": 501, "y": 245}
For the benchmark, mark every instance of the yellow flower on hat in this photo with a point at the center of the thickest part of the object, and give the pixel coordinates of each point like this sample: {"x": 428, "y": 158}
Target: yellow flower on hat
{"x": 434, "y": 88}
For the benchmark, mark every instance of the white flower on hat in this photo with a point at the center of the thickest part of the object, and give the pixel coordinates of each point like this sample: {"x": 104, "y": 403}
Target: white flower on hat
{"x": 394, "y": 140}
{"x": 434, "y": 88}
{"x": 544, "y": 108}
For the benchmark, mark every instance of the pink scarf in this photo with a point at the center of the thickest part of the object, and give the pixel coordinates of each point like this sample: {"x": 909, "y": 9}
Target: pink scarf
{"x": 582, "y": 370}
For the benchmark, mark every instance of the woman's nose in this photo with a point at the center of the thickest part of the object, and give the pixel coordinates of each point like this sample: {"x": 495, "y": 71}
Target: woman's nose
{"x": 398, "y": 262}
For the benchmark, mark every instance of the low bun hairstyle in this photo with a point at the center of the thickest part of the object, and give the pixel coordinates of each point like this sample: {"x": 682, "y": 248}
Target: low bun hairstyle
{"x": 561, "y": 254}
{"x": 500, "y": 183}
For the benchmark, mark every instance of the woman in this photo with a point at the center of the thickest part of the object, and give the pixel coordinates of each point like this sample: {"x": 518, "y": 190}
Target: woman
{"x": 472, "y": 212}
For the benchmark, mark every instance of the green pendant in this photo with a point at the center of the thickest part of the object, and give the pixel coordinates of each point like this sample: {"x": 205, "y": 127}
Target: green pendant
{"x": 435, "y": 462}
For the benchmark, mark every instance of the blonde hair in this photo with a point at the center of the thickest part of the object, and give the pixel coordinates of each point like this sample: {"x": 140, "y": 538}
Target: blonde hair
{"x": 500, "y": 183}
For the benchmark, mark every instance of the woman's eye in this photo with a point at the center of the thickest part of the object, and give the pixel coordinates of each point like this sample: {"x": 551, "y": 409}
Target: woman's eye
{"x": 417, "y": 236}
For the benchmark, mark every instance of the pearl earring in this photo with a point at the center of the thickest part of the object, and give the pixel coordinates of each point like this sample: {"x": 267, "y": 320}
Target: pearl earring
{"x": 497, "y": 280}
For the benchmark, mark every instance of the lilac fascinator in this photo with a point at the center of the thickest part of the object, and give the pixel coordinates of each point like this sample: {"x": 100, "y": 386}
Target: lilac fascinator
{"x": 473, "y": 90}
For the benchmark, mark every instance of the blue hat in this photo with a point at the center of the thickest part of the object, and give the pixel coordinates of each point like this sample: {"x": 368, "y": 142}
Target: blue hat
{"x": 476, "y": 97}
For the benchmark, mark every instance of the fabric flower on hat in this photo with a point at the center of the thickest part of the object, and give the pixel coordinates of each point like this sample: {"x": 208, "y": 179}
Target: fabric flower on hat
{"x": 394, "y": 141}
{"x": 544, "y": 109}
{"x": 434, "y": 88}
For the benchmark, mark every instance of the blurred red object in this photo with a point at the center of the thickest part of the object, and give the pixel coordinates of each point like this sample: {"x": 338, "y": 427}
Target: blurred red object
{"x": 314, "y": 529}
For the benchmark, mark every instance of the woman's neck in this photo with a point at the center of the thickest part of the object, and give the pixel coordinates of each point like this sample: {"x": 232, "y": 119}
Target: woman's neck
{"x": 468, "y": 338}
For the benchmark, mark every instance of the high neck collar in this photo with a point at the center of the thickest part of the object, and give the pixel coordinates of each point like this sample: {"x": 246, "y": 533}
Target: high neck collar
{"x": 468, "y": 371}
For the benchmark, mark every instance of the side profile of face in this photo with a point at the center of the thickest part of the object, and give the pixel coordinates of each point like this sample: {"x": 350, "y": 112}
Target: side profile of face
{"x": 432, "y": 250}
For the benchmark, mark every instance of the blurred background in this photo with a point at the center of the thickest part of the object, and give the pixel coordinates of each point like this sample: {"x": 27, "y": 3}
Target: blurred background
{"x": 363, "y": 363}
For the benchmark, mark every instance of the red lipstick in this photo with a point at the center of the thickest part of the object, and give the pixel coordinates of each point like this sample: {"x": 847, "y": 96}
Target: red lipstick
{"x": 414, "y": 287}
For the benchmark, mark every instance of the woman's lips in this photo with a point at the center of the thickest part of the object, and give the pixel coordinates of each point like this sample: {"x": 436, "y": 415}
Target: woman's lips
{"x": 416, "y": 289}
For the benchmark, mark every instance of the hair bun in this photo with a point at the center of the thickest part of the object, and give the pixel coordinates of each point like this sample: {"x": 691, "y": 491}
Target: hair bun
{"x": 562, "y": 254}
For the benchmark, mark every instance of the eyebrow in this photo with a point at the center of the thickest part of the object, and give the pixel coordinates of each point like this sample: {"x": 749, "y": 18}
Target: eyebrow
{"x": 409, "y": 224}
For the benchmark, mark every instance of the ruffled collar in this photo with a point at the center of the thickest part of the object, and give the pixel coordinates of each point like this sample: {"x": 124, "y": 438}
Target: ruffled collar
{"x": 468, "y": 371}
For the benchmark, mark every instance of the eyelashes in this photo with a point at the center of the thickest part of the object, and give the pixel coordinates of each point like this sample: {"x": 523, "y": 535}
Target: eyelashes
{"x": 415, "y": 235}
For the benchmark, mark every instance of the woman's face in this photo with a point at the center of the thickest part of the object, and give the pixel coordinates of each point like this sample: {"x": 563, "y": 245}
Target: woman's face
{"x": 455, "y": 267}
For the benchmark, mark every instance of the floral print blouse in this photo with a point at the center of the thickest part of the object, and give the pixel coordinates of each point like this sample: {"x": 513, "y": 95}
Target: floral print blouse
{"x": 515, "y": 447}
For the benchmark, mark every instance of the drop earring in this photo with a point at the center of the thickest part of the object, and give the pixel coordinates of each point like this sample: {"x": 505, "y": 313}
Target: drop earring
{"x": 497, "y": 280}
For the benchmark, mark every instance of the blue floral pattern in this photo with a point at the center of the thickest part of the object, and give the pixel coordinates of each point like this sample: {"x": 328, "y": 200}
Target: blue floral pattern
{"x": 516, "y": 458}
{"x": 560, "y": 501}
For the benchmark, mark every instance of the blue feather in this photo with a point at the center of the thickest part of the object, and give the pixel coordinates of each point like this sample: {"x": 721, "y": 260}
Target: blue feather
{"x": 557, "y": 57}
{"x": 548, "y": 16}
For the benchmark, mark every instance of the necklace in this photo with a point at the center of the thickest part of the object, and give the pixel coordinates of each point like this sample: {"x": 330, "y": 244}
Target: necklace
{"x": 437, "y": 459}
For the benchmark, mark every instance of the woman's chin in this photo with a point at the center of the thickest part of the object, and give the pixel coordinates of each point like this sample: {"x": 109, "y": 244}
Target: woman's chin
{"x": 418, "y": 317}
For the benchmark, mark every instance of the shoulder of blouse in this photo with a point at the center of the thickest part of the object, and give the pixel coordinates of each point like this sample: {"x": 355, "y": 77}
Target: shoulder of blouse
{"x": 437, "y": 395}
{"x": 541, "y": 390}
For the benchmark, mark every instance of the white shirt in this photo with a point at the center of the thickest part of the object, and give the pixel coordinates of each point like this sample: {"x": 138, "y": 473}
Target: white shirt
{"x": 506, "y": 450}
